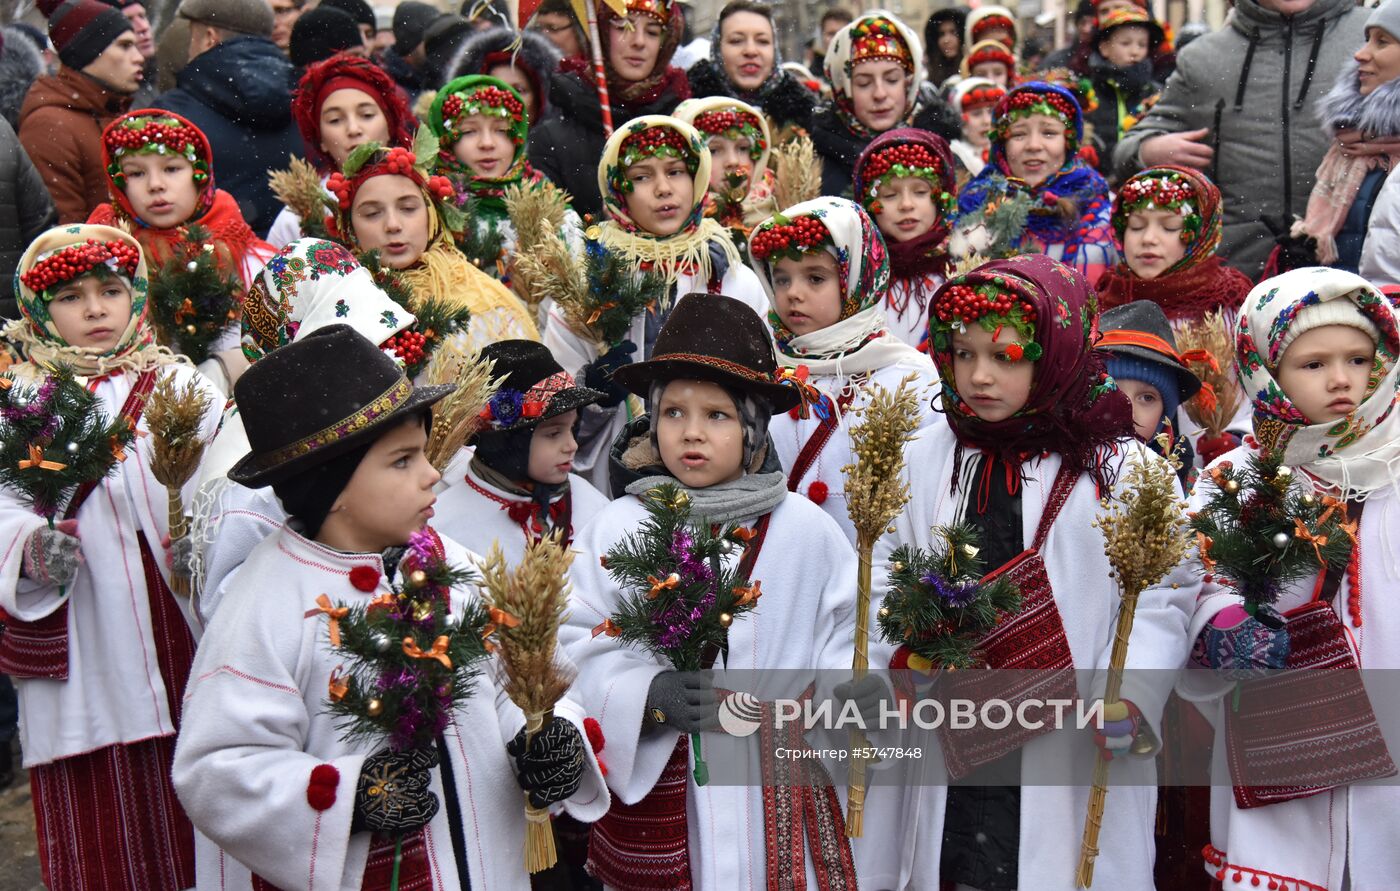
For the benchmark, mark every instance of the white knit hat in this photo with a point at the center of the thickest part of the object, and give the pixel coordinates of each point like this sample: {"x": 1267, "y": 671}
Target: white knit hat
{"x": 1386, "y": 17}
{"x": 1339, "y": 311}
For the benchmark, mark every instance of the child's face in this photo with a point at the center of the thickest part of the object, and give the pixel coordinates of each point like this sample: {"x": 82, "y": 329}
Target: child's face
{"x": 390, "y": 215}
{"x": 1035, "y": 148}
{"x": 351, "y": 117}
{"x": 728, "y": 156}
{"x": 977, "y": 126}
{"x": 662, "y": 195}
{"x": 906, "y": 208}
{"x": 807, "y": 292}
{"x": 996, "y": 72}
{"x": 484, "y": 145}
{"x": 1000, "y": 35}
{"x": 1325, "y": 371}
{"x": 879, "y": 93}
{"x": 1152, "y": 242}
{"x": 160, "y": 188}
{"x": 1147, "y": 407}
{"x": 1125, "y": 46}
{"x": 91, "y": 311}
{"x": 552, "y": 449}
{"x": 515, "y": 79}
{"x": 699, "y": 433}
{"x": 634, "y": 45}
{"x": 389, "y": 496}
{"x": 993, "y": 385}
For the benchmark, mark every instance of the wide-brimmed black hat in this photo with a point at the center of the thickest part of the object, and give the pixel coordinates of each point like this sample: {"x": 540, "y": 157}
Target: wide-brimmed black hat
{"x": 714, "y": 338}
{"x": 536, "y": 387}
{"x": 1140, "y": 329}
{"x": 306, "y": 402}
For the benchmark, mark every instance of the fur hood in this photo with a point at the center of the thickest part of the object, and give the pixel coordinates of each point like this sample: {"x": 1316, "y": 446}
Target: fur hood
{"x": 536, "y": 54}
{"x": 20, "y": 64}
{"x": 1343, "y": 107}
{"x": 633, "y": 456}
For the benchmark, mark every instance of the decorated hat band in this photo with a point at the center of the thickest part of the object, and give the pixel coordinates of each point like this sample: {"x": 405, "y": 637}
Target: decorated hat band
{"x": 75, "y": 260}
{"x": 486, "y": 100}
{"x": 875, "y": 39}
{"x": 992, "y": 22}
{"x": 908, "y": 159}
{"x": 994, "y": 309}
{"x": 735, "y": 124}
{"x": 782, "y": 238}
{"x": 657, "y": 9}
{"x": 1159, "y": 190}
{"x": 154, "y": 134}
{"x": 509, "y": 407}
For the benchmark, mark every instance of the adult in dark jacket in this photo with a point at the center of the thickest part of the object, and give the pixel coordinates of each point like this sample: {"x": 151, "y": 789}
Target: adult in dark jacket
{"x": 874, "y": 66}
{"x": 237, "y": 88}
{"x": 21, "y": 63}
{"x": 637, "y": 51}
{"x": 525, "y": 60}
{"x": 26, "y": 212}
{"x": 406, "y": 59}
{"x": 1239, "y": 108}
{"x": 745, "y": 63}
{"x": 943, "y": 43}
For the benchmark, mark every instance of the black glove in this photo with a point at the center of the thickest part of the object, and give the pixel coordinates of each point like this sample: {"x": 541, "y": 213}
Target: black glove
{"x": 392, "y": 795}
{"x": 552, "y": 769}
{"x": 869, "y": 694}
{"x": 684, "y": 701}
{"x": 1294, "y": 251}
{"x": 598, "y": 374}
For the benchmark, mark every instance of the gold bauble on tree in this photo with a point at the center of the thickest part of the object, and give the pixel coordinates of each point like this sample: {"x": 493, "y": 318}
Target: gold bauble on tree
{"x": 418, "y": 578}
{"x": 374, "y": 708}
{"x": 725, "y": 619}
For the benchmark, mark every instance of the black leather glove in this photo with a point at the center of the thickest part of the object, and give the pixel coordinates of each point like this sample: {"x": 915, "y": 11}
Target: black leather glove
{"x": 1294, "y": 251}
{"x": 598, "y": 374}
{"x": 551, "y": 769}
{"x": 392, "y": 795}
{"x": 870, "y": 694}
{"x": 684, "y": 701}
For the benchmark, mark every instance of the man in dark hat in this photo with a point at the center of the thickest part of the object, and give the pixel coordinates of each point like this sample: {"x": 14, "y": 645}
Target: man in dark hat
{"x": 405, "y": 60}
{"x": 361, "y": 13}
{"x": 321, "y": 33}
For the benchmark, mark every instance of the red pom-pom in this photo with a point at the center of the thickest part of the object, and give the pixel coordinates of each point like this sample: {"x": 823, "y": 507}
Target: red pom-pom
{"x": 364, "y": 578}
{"x": 594, "y": 731}
{"x": 519, "y": 511}
{"x": 817, "y": 492}
{"x": 320, "y": 791}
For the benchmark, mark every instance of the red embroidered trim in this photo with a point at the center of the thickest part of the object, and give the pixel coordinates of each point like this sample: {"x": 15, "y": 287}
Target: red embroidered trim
{"x": 1354, "y": 595}
{"x": 527, "y": 513}
{"x": 1215, "y": 857}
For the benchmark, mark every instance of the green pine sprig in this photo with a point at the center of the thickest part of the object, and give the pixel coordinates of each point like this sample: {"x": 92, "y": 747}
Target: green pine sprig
{"x": 1261, "y": 529}
{"x": 54, "y": 437}
{"x": 192, "y": 300}
{"x": 678, "y": 597}
{"x": 939, "y": 605}
{"x": 617, "y": 293}
{"x": 479, "y": 239}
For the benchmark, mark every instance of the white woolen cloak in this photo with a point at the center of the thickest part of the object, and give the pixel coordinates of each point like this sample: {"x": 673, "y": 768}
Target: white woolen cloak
{"x": 255, "y": 725}
{"x": 1052, "y": 817}
{"x": 600, "y": 426}
{"x": 804, "y": 620}
{"x": 476, "y": 521}
{"x": 114, "y": 692}
{"x": 1355, "y": 828}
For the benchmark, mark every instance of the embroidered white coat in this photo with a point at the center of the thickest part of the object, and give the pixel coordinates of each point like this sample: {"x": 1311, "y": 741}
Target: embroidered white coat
{"x": 1355, "y": 827}
{"x": 255, "y": 726}
{"x": 600, "y": 426}
{"x": 803, "y": 620}
{"x": 1052, "y": 816}
{"x": 114, "y": 692}
{"x": 476, "y": 521}
{"x": 791, "y": 434}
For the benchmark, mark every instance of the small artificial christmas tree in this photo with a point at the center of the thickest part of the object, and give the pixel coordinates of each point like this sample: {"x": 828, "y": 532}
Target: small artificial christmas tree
{"x": 192, "y": 299}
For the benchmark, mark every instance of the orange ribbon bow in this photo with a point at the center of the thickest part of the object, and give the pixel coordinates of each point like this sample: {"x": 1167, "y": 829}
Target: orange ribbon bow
{"x": 1204, "y": 544}
{"x": 1206, "y": 397}
{"x": 1317, "y": 541}
{"x": 498, "y": 618}
{"x": 118, "y": 452}
{"x": 339, "y": 686}
{"x": 36, "y": 459}
{"x": 6, "y": 383}
{"x": 333, "y": 613}
{"x": 744, "y": 534}
{"x": 1203, "y": 356}
{"x": 598, "y": 311}
{"x": 659, "y": 585}
{"x": 608, "y": 627}
{"x": 748, "y": 595}
{"x": 382, "y": 602}
{"x": 438, "y": 652}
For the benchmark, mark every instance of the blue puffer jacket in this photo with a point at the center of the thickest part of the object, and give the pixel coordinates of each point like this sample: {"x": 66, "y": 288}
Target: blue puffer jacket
{"x": 240, "y": 94}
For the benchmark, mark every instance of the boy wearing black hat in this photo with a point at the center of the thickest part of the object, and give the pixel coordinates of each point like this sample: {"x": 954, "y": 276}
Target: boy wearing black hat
{"x": 279, "y": 796}
{"x": 519, "y": 486}
{"x": 1143, "y": 361}
{"x": 710, "y": 387}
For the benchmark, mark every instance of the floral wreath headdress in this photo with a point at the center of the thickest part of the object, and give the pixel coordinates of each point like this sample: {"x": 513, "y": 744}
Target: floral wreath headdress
{"x": 736, "y": 124}
{"x": 994, "y": 307}
{"x": 1159, "y": 190}
{"x": 158, "y": 133}
{"x": 909, "y": 159}
{"x": 371, "y": 159}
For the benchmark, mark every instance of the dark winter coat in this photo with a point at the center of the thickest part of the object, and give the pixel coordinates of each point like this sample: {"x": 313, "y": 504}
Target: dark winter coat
{"x": 20, "y": 64}
{"x": 404, "y": 74}
{"x": 1120, "y": 92}
{"x": 25, "y": 212}
{"x": 568, "y": 145}
{"x": 788, "y": 103}
{"x": 1252, "y": 84}
{"x": 60, "y": 126}
{"x": 240, "y": 94}
{"x": 839, "y": 148}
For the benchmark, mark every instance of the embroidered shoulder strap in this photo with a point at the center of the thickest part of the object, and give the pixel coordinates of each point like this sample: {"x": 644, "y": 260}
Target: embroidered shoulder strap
{"x": 1059, "y": 494}
{"x": 132, "y": 408}
{"x": 817, "y": 441}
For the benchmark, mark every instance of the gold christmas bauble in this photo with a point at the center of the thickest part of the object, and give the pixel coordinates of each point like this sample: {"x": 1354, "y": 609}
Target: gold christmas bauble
{"x": 1232, "y": 486}
{"x": 374, "y": 708}
{"x": 418, "y": 577}
{"x": 884, "y": 612}
{"x": 725, "y": 620}
{"x": 1285, "y": 472}
{"x": 190, "y": 329}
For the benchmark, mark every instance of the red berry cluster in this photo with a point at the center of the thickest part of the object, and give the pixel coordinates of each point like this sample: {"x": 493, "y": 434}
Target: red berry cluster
{"x": 967, "y": 304}
{"x": 1165, "y": 191}
{"x": 452, "y": 106}
{"x": 726, "y": 120}
{"x": 342, "y": 188}
{"x": 909, "y": 154}
{"x": 800, "y": 236}
{"x": 151, "y": 131}
{"x": 410, "y": 346}
{"x": 1036, "y": 101}
{"x": 440, "y": 187}
{"x": 495, "y": 97}
{"x": 399, "y": 161}
{"x": 992, "y": 23}
{"x": 74, "y": 260}
{"x": 994, "y": 53}
{"x": 646, "y": 142}
{"x": 980, "y": 96}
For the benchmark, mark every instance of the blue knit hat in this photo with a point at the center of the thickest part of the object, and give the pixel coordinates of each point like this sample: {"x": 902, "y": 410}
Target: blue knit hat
{"x": 1131, "y": 368}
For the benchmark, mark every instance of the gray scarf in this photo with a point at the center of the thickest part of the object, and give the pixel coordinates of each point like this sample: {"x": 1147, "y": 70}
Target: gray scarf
{"x": 751, "y": 495}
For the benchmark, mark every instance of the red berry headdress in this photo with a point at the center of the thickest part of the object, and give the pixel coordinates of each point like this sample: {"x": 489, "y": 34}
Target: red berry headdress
{"x": 991, "y": 305}
{"x": 1040, "y": 98}
{"x": 370, "y": 160}
{"x": 734, "y": 123}
{"x": 989, "y": 51}
{"x": 150, "y": 131}
{"x": 477, "y": 95}
{"x": 905, "y": 159}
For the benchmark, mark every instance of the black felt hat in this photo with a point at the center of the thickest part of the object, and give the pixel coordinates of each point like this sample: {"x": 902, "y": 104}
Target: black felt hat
{"x": 1140, "y": 329}
{"x": 536, "y": 387}
{"x": 714, "y": 338}
{"x": 311, "y": 400}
